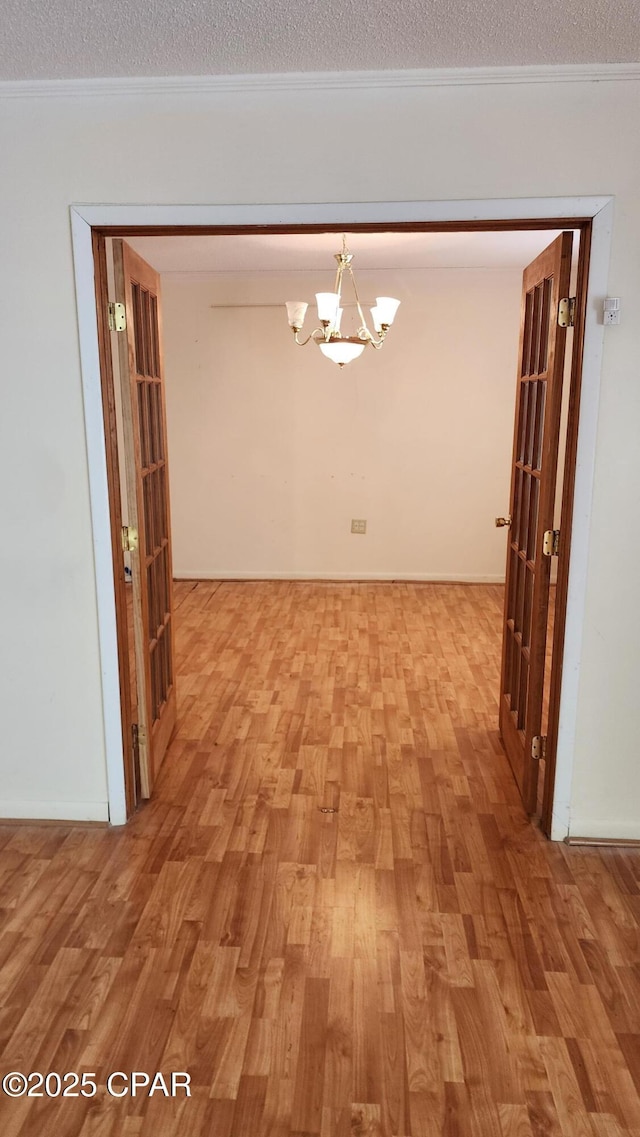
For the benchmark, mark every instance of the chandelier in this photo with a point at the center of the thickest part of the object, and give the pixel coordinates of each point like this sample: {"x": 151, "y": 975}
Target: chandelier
{"x": 337, "y": 347}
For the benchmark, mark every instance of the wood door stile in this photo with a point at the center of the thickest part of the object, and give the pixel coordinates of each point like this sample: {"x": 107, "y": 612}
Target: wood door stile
{"x": 115, "y": 514}
{"x": 145, "y": 443}
{"x": 533, "y": 485}
{"x": 566, "y": 522}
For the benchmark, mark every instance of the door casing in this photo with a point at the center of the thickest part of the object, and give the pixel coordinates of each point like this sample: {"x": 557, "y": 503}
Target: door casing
{"x": 91, "y": 224}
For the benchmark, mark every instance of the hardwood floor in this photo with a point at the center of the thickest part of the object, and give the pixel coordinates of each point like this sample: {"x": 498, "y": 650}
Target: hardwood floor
{"x": 419, "y": 962}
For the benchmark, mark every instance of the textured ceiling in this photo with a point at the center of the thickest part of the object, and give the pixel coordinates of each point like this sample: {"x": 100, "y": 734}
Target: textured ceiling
{"x": 54, "y": 39}
{"x": 308, "y": 252}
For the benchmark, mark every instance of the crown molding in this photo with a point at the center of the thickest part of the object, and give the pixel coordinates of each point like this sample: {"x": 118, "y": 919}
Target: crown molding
{"x": 318, "y": 81}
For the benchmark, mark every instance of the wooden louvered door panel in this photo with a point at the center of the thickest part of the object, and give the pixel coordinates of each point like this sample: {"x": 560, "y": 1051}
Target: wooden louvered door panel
{"x": 533, "y": 483}
{"x": 137, "y": 285}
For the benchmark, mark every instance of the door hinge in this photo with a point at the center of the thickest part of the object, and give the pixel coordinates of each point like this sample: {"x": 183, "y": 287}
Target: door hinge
{"x": 551, "y": 542}
{"x": 117, "y": 317}
{"x": 538, "y": 747}
{"x": 138, "y": 736}
{"x": 567, "y": 312}
{"x": 129, "y": 539}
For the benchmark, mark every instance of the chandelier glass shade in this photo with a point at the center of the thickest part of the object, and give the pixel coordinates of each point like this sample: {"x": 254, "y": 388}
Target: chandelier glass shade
{"x": 340, "y": 348}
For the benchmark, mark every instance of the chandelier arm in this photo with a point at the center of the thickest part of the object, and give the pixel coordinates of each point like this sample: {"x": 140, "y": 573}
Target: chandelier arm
{"x": 360, "y": 312}
{"x": 338, "y": 286}
{"x": 311, "y": 336}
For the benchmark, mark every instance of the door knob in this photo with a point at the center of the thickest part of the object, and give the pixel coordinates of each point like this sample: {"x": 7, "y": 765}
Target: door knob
{"x": 502, "y": 521}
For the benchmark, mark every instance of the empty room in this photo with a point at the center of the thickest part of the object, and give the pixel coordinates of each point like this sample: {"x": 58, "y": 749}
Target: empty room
{"x": 272, "y": 451}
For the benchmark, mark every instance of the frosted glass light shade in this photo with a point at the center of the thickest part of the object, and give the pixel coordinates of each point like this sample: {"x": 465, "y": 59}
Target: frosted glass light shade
{"x": 341, "y": 351}
{"x": 375, "y": 316}
{"x": 296, "y": 312}
{"x": 335, "y": 327}
{"x": 327, "y": 305}
{"x": 386, "y": 308}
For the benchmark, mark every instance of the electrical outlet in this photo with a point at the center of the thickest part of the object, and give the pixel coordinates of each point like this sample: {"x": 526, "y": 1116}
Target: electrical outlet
{"x": 358, "y": 525}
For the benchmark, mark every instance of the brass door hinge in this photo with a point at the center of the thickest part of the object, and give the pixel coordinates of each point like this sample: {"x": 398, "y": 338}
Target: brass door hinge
{"x": 551, "y": 542}
{"x": 138, "y": 736}
{"x": 129, "y": 539}
{"x": 139, "y": 733}
{"x": 567, "y": 312}
{"x": 117, "y": 317}
{"x": 538, "y": 747}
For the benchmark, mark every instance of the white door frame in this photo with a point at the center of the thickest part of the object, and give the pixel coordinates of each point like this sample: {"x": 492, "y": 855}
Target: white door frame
{"x": 83, "y": 217}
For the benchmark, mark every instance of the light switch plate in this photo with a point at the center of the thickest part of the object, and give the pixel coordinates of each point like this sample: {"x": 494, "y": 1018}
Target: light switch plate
{"x": 358, "y": 525}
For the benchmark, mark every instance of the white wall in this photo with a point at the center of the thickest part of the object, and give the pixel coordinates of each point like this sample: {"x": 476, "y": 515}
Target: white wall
{"x": 273, "y": 449}
{"x": 485, "y": 141}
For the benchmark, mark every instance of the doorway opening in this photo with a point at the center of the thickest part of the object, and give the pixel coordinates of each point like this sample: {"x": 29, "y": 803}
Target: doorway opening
{"x": 580, "y": 224}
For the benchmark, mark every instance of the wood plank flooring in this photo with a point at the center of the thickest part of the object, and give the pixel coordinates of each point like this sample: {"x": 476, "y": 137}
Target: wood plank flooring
{"x": 420, "y": 962}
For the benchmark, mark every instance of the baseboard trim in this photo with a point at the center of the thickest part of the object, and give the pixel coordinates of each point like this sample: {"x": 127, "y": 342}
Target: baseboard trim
{"x": 605, "y": 842}
{"x": 356, "y": 577}
{"x": 54, "y": 813}
{"x": 49, "y": 823}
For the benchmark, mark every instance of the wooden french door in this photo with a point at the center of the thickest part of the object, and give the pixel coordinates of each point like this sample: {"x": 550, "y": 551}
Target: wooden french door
{"x": 140, "y": 357}
{"x": 533, "y": 484}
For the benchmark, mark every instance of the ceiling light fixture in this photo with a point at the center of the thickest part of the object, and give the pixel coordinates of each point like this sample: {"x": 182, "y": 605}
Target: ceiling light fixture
{"x": 337, "y": 347}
